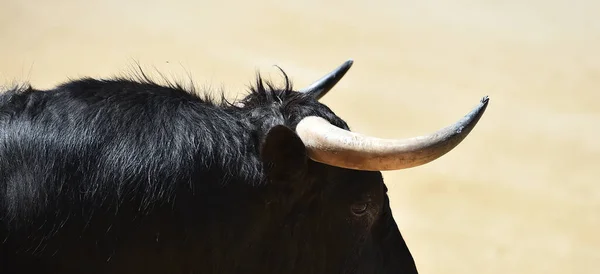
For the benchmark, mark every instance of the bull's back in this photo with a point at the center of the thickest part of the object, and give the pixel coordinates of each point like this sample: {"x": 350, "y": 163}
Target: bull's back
{"x": 80, "y": 163}
{"x": 89, "y": 144}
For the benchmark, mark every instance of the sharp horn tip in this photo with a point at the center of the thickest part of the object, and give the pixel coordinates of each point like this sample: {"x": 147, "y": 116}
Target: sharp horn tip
{"x": 485, "y": 99}
{"x": 349, "y": 62}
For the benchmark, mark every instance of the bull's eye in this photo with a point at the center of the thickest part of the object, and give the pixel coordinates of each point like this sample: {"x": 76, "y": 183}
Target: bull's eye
{"x": 359, "y": 208}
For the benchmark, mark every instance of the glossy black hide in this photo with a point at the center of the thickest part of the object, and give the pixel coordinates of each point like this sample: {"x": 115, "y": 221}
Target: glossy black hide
{"x": 130, "y": 176}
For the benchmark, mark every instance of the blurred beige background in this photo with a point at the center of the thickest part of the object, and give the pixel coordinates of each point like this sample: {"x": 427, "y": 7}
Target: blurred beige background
{"x": 517, "y": 196}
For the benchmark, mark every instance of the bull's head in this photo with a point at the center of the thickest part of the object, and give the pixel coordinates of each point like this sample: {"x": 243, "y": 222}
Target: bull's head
{"x": 337, "y": 205}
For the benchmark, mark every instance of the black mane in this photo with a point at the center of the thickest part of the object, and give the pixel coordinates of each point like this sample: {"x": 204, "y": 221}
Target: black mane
{"x": 156, "y": 135}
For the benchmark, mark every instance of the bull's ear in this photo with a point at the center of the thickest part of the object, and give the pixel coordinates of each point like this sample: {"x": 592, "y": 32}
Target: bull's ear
{"x": 283, "y": 153}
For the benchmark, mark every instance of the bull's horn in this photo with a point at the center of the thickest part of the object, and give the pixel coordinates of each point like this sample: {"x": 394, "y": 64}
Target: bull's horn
{"x": 319, "y": 88}
{"x": 334, "y": 146}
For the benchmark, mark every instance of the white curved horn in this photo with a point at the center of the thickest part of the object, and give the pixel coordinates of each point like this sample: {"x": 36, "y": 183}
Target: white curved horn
{"x": 334, "y": 146}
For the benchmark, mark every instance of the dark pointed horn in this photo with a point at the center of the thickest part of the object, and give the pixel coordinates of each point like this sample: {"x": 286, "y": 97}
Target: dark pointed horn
{"x": 319, "y": 88}
{"x": 334, "y": 146}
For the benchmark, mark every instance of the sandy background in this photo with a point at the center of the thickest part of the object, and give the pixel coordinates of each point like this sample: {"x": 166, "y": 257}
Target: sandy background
{"x": 517, "y": 196}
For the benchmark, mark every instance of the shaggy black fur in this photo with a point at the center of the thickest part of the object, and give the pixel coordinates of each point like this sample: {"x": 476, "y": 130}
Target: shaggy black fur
{"x": 126, "y": 175}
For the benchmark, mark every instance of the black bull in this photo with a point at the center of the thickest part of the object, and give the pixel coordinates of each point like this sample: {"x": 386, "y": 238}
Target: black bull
{"x": 130, "y": 176}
